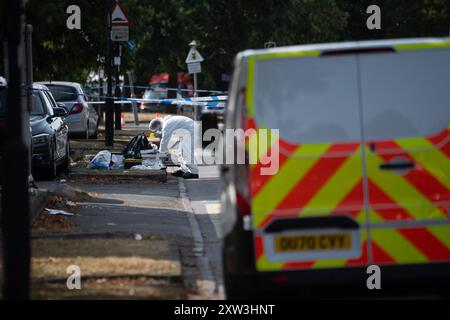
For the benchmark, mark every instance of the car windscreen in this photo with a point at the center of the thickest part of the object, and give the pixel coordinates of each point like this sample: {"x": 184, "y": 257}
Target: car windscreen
{"x": 37, "y": 106}
{"x": 63, "y": 93}
{"x": 2, "y": 102}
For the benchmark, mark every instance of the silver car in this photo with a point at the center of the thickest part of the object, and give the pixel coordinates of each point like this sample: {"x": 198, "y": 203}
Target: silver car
{"x": 82, "y": 118}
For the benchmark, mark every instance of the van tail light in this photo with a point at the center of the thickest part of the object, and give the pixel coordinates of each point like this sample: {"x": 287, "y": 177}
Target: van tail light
{"x": 77, "y": 108}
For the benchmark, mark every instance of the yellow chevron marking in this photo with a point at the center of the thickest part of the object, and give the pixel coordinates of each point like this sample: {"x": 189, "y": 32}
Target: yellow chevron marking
{"x": 442, "y": 233}
{"x": 422, "y": 46}
{"x": 263, "y": 264}
{"x": 394, "y": 244}
{"x": 336, "y": 188}
{"x": 287, "y": 177}
{"x": 250, "y": 86}
{"x": 431, "y": 158}
{"x": 401, "y": 191}
{"x": 285, "y": 55}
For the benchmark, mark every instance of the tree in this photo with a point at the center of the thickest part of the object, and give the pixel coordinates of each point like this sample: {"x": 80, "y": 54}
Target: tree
{"x": 162, "y": 30}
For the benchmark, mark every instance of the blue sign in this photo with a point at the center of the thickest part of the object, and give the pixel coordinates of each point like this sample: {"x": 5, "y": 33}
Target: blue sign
{"x": 131, "y": 44}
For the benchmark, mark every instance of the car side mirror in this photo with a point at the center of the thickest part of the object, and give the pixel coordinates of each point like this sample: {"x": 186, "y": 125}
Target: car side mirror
{"x": 59, "y": 112}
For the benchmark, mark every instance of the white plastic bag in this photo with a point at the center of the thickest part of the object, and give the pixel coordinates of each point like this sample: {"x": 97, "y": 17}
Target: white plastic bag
{"x": 117, "y": 161}
{"x": 101, "y": 160}
{"x": 154, "y": 164}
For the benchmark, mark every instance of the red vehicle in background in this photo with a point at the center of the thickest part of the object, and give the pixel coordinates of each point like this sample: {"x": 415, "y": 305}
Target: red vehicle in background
{"x": 166, "y": 86}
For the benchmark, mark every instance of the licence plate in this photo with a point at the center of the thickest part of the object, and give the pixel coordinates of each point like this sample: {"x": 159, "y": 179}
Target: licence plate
{"x": 312, "y": 242}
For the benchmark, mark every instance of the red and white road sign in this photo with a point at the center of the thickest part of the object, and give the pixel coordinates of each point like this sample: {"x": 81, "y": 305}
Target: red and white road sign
{"x": 119, "y": 24}
{"x": 118, "y": 16}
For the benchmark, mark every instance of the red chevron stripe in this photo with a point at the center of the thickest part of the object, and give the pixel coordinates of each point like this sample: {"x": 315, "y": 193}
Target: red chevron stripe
{"x": 379, "y": 197}
{"x": 430, "y": 246}
{"x": 317, "y": 176}
{"x": 419, "y": 177}
{"x": 421, "y": 238}
{"x": 259, "y": 246}
{"x": 439, "y": 138}
{"x": 299, "y": 265}
{"x": 259, "y": 181}
{"x": 353, "y": 202}
{"x": 380, "y": 256}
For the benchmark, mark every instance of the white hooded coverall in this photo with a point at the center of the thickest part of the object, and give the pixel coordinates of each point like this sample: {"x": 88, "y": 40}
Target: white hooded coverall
{"x": 177, "y": 132}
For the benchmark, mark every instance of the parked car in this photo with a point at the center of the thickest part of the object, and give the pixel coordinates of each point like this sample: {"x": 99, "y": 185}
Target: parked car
{"x": 82, "y": 118}
{"x": 50, "y": 134}
{"x": 358, "y": 172}
{"x": 155, "y": 93}
{"x": 4, "y": 130}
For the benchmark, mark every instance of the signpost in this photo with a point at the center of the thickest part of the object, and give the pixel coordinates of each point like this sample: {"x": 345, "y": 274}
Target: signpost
{"x": 119, "y": 24}
{"x": 118, "y": 31}
{"x": 193, "y": 61}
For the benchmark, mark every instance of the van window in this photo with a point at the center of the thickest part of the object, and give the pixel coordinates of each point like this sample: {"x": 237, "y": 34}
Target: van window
{"x": 405, "y": 94}
{"x": 310, "y": 99}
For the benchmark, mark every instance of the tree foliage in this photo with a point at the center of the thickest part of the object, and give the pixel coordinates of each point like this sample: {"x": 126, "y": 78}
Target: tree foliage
{"x": 162, "y": 30}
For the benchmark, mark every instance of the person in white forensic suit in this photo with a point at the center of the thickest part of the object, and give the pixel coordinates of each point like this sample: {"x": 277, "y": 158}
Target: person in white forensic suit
{"x": 177, "y": 138}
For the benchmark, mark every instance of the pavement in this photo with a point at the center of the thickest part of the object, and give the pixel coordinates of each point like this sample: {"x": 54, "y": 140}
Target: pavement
{"x": 180, "y": 217}
{"x": 184, "y": 214}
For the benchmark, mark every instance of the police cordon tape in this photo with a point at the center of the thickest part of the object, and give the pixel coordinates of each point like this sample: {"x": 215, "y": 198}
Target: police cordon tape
{"x": 164, "y": 89}
{"x": 213, "y": 101}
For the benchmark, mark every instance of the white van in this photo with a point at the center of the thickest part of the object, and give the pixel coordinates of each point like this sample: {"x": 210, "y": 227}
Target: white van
{"x": 362, "y": 169}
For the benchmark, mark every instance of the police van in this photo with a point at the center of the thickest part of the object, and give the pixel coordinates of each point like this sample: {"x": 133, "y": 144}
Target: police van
{"x": 362, "y": 144}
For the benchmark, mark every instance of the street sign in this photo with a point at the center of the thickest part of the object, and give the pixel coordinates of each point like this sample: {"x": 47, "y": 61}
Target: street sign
{"x": 194, "y": 56}
{"x": 194, "y": 68}
{"x": 118, "y": 17}
{"x": 119, "y": 33}
{"x": 131, "y": 44}
{"x": 119, "y": 24}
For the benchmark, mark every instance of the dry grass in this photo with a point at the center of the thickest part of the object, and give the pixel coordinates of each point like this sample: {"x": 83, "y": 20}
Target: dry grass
{"x": 110, "y": 269}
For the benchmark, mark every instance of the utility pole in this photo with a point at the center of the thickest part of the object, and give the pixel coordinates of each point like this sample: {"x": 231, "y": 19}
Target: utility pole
{"x": 109, "y": 100}
{"x": 117, "y": 91}
{"x": 15, "y": 200}
{"x": 101, "y": 109}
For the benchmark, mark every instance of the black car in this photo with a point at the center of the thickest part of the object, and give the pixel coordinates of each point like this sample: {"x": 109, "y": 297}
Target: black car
{"x": 4, "y": 129}
{"x": 50, "y": 134}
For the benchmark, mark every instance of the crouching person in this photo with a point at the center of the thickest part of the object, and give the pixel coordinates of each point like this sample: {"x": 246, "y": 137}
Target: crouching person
{"x": 177, "y": 132}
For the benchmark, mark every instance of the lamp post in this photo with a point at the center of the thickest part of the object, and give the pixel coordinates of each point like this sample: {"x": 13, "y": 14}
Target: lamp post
{"x": 109, "y": 100}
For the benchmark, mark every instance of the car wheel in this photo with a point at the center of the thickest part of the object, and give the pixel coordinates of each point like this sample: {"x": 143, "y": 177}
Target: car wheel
{"x": 52, "y": 170}
{"x": 95, "y": 134}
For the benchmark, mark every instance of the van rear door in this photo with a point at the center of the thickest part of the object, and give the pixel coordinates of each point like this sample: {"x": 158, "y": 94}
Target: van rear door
{"x": 310, "y": 213}
{"x": 406, "y": 112}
